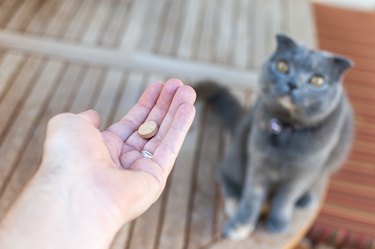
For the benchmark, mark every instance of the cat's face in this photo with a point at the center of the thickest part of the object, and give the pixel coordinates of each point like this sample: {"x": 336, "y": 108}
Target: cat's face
{"x": 303, "y": 81}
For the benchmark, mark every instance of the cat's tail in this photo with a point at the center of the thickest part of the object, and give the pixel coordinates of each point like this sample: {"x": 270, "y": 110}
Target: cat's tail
{"x": 226, "y": 107}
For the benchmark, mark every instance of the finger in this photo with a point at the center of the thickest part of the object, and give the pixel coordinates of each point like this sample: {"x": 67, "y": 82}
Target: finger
{"x": 91, "y": 116}
{"x": 184, "y": 95}
{"x": 166, "y": 153}
{"x": 160, "y": 110}
{"x": 138, "y": 113}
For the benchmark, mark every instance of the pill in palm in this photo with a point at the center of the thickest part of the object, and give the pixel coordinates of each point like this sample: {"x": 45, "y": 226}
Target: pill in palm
{"x": 148, "y": 129}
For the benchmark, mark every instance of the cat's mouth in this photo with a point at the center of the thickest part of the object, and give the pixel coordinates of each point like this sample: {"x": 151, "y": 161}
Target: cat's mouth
{"x": 287, "y": 103}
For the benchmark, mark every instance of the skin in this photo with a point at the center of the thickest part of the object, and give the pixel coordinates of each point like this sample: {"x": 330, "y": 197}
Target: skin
{"x": 91, "y": 182}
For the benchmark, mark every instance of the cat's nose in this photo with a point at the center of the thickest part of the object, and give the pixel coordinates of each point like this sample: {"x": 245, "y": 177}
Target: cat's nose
{"x": 292, "y": 85}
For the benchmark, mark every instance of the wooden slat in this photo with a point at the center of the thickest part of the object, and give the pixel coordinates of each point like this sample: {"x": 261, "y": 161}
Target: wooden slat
{"x": 9, "y": 67}
{"x": 63, "y": 17}
{"x": 162, "y": 21}
{"x": 7, "y": 10}
{"x": 130, "y": 94}
{"x": 88, "y": 91}
{"x": 40, "y": 21}
{"x": 98, "y": 22}
{"x": 171, "y": 29}
{"x": 80, "y": 21}
{"x": 301, "y": 22}
{"x": 188, "y": 35}
{"x": 131, "y": 36}
{"x": 30, "y": 156}
{"x": 173, "y": 232}
{"x": 251, "y": 37}
{"x": 23, "y": 15}
{"x": 111, "y": 35}
{"x": 15, "y": 97}
{"x": 201, "y": 228}
{"x": 14, "y": 140}
{"x": 223, "y": 51}
{"x": 107, "y": 96}
{"x": 259, "y": 46}
{"x": 242, "y": 33}
{"x": 273, "y": 25}
{"x": 152, "y": 22}
{"x": 205, "y": 49}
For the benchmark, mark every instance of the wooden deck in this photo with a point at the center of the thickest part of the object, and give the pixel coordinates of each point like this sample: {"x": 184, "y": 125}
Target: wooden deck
{"x": 69, "y": 56}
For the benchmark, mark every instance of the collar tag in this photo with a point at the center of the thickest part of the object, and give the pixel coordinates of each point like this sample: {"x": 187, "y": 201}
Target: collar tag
{"x": 275, "y": 126}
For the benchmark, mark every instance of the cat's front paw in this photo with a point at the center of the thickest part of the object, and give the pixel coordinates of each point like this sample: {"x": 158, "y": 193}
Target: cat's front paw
{"x": 277, "y": 224}
{"x": 237, "y": 231}
{"x": 230, "y": 206}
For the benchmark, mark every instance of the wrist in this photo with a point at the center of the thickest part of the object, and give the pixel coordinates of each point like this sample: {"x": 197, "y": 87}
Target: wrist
{"x": 52, "y": 213}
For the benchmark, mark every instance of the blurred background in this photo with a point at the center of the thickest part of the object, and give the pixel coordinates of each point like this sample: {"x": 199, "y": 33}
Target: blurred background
{"x": 58, "y": 56}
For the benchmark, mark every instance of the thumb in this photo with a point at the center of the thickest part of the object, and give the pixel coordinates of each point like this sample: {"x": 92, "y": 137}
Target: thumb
{"x": 91, "y": 116}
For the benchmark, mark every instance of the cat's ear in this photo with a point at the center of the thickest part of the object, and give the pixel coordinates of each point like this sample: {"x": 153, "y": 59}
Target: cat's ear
{"x": 284, "y": 42}
{"x": 341, "y": 63}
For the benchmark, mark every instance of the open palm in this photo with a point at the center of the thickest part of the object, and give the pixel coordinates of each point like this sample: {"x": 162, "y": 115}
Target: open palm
{"x": 110, "y": 162}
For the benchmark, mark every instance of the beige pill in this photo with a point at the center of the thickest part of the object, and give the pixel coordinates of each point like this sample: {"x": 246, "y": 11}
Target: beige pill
{"x": 148, "y": 129}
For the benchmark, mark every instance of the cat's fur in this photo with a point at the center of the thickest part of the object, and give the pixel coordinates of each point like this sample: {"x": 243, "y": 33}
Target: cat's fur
{"x": 316, "y": 132}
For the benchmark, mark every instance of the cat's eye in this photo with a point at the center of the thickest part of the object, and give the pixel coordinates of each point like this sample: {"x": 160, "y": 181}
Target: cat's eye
{"x": 282, "y": 66}
{"x": 317, "y": 80}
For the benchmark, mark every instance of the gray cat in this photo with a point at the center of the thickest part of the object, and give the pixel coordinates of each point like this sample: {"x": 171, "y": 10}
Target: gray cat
{"x": 299, "y": 130}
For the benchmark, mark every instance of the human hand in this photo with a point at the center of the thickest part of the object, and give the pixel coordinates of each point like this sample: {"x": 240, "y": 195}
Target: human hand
{"x": 110, "y": 161}
{"x": 101, "y": 178}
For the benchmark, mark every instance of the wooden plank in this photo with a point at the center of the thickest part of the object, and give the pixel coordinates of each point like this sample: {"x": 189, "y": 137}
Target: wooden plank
{"x": 201, "y": 229}
{"x": 152, "y": 23}
{"x": 242, "y": 37}
{"x": 162, "y": 23}
{"x": 130, "y": 93}
{"x": 16, "y": 96}
{"x": 301, "y": 25}
{"x": 41, "y": 19}
{"x": 117, "y": 25}
{"x": 188, "y": 34}
{"x": 273, "y": 26}
{"x": 9, "y": 67}
{"x": 7, "y": 10}
{"x": 88, "y": 90}
{"x": 14, "y": 140}
{"x": 63, "y": 17}
{"x": 196, "y": 70}
{"x": 167, "y": 45}
{"x": 107, "y": 96}
{"x": 208, "y": 37}
{"x": 23, "y": 15}
{"x": 95, "y": 29}
{"x": 29, "y": 159}
{"x": 80, "y": 21}
{"x": 173, "y": 231}
{"x": 223, "y": 51}
{"x": 251, "y": 37}
{"x": 129, "y": 40}
{"x": 259, "y": 47}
